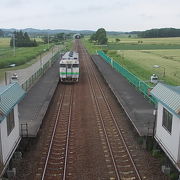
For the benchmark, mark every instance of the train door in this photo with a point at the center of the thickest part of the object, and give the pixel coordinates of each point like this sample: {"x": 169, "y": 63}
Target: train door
{"x": 75, "y": 68}
{"x": 69, "y": 71}
{"x": 62, "y": 71}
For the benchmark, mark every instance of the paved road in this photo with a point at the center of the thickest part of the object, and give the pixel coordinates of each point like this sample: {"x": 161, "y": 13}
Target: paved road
{"x": 25, "y": 74}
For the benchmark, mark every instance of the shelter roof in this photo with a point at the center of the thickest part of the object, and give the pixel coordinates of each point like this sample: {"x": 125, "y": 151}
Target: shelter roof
{"x": 168, "y": 95}
{"x": 10, "y": 95}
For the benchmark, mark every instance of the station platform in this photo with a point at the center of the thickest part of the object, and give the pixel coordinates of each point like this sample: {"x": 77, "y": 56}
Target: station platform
{"x": 33, "y": 107}
{"x": 137, "y": 108}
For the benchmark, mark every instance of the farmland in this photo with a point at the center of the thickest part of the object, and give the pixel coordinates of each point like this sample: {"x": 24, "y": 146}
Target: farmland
{"x": 140, "y": 55}
{"x": 141, "y": 63}
{"x": 22, "y": 58}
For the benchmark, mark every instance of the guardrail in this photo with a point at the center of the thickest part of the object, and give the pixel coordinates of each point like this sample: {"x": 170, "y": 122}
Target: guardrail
{"x": 28, "y": 83}
{"x": 138, "y": 83}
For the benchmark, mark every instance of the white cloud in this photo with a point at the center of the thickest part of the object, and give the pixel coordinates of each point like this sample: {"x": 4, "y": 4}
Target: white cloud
{"x": 120, "y": 15}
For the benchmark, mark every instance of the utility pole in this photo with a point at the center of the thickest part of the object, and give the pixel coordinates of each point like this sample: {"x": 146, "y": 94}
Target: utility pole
{"x": 6, "y": 78}
{"x": 14, "y": 45}
{"x": 48, "y": 40}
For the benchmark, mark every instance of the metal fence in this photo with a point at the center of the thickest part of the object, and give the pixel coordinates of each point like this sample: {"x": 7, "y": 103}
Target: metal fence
{"x": 139, "y": 84}
{"x": 29, "y": 82}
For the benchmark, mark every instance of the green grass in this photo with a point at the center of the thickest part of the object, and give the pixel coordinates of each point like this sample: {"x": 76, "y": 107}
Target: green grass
{"x": 91, "y": 47}
{"x": 22, "y": 54}
{"x": 144, "y": 43}
{"x": 141, "y": 62}
{"x": 68, "y": 45}
{"x": 133, "y": 40}
{"x": 23, "y": 58}
{"x": 141, "y": 46}
{"x": 139, "y": 58}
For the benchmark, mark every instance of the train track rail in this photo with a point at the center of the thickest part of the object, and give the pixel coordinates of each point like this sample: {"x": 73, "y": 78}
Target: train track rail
{"x": 111, "y": 132}
{"x": 127, "y": 163}
{"x": 55, "y": 155}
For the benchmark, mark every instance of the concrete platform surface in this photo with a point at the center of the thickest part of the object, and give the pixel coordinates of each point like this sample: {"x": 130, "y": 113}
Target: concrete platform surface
{"x": 33, "y": 107}
{"x": 137, "y": 108}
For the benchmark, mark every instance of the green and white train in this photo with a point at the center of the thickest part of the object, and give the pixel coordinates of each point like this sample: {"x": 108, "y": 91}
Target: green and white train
{"x": 69, "y": 67}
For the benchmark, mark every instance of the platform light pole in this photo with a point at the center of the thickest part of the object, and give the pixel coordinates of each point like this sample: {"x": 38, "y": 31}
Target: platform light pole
{"x": 14, "y": 44}
{"x": 48, "y": 40}
{"x": 158, "y": 66}
{"x": 5, "y": 77}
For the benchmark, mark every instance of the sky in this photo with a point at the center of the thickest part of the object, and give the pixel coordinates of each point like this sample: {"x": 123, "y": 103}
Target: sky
{"x": 113, "y": 15}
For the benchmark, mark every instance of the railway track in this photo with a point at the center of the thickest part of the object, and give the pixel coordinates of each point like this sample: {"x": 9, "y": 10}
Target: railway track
{"x": 121, "y": 159}
{"x": 56, "y": 151}
{"x": 124, "y": 162}
{"x": 89, "y": 137}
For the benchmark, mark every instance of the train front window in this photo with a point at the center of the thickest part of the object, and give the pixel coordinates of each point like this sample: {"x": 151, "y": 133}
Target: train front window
{"x": 62, "y": 65}
{"x": 69, "y": 65}
{"x": 75, "y": 65}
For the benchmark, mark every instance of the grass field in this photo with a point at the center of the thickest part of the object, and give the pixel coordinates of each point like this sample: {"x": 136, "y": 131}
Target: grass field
{"x": 139, "y": 58}
{"x": 22, "y": 55}
{"x": 172, "y": 40}
{"x": 23, "y": 58}
{"x": 144, "y": 43}
{"x": 142, "y": 63}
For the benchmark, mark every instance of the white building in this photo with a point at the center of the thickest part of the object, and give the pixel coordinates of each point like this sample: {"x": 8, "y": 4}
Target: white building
{"x": 167, "y": 132}
{"x": 10, "y": 96}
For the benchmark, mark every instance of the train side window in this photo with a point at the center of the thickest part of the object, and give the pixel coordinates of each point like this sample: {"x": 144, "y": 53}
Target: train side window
{"x": 63, "y": 65}
{"x": 75, "y": 65}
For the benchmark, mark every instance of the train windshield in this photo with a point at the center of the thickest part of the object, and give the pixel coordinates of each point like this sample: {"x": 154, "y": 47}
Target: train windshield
{"x": 69, "y": 65}
{"x": 62, "y": 65}
{"x": 75, "y": 65}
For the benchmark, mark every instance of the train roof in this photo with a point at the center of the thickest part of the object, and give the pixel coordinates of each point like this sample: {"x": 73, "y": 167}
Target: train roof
{"x": 71, "y": 55}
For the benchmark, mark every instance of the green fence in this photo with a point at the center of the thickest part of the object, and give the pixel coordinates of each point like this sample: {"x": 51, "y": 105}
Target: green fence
{"x": 139, "y": 84}
{"x": 28, "y": 84}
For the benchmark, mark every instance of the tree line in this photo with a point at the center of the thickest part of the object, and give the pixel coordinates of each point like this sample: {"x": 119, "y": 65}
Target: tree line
{"x": 20, "y": 39}
{"x": 57, "y": 38}
{"x": 158, "y": 33}
{"x": 1, "y": 33}
{"x": 99, "y": 36}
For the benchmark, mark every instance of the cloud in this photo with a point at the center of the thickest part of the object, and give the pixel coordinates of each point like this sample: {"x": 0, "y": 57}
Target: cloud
{"x": 121, "y": 15}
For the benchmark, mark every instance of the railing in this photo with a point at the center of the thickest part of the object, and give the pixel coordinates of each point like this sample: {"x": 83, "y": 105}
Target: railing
{"x": 139, "y": 84}
{"x": 28, "y": 83}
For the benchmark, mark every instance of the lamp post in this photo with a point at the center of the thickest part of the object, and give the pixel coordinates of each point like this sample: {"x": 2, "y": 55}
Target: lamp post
{"x": 157, "y": 66}
{"x": 48, "y": 40}
{"x": 14, "y": 44}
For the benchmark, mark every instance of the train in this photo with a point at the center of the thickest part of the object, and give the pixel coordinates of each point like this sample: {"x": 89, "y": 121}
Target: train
{"x": 69, "y": 67}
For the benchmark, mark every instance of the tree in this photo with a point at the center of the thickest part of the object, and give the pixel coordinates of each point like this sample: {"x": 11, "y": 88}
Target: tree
{"x": 117, "y": 40}
{"x": 93, "y": 37}
{"x": 99, "y": 36}
{"x": 1, "y": 33}
{"x": 163, "y": 32}
{"x": 22, "y": 40}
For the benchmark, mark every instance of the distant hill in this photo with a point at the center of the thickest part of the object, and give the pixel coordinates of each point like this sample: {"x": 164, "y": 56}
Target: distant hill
{"x": 32, "y": 31}
{"x": 163, "y": 32}
{"x": 46, "y": 31}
